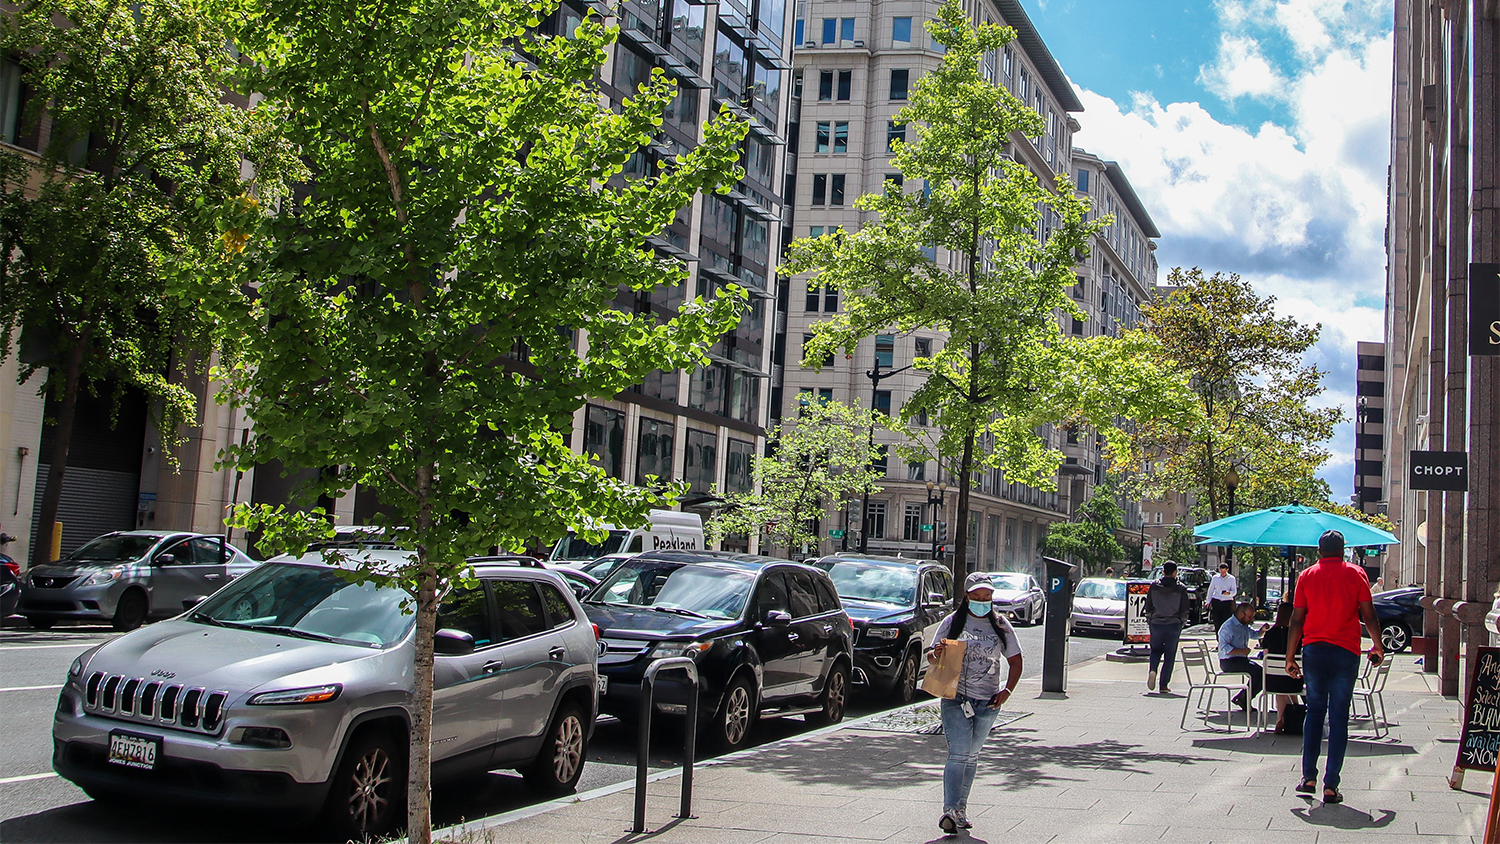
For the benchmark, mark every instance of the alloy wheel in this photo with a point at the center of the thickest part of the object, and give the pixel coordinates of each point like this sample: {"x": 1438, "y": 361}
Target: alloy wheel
{"x": 1394, "y": 638}
{"x": 833, "y": 708}
{"x": 370, "y": 788}
{"x": 737, "y": 715}
{"x": 568, "y": 752}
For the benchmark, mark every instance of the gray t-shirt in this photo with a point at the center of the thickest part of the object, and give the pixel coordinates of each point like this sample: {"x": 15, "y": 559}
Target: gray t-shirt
{"x": 986, "y": 666}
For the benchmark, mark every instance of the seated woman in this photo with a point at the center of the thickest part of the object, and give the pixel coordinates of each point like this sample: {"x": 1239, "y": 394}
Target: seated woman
{"x": 1278, "y": 682}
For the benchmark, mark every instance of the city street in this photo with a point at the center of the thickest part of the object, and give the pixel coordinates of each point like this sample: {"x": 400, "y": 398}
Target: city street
{"x": 38, "y": 806}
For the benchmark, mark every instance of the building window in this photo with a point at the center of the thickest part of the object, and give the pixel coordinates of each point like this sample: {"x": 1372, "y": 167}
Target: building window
{"x": 899, "y": 78}
{"x": 846, "y": 29}
{"x": 820, "y": 189}
{"x": 923, "y": 347}
{"x": 922, "y": 419}
{"x": 797, "y": 31}
{"x": 1007, "y": 62}
{"x": 654, "y": 451}
{"x": 846, "y": 84}
{"x": 830, "y": 30}
{"x": 895, "y": 179}
{"x": 894, "y": 132}
{"x": 825, "y": 85}
{"x": 1077, "y": 327}
{"x": 911, "y": 523}
{"x": 737, "y": 471}
{"x": 604, "y": 438}
{"x": 882, "y": 403}
{"x": 807, "y": 338}
{"x": 841, "y": 136}
{"x": 830, "y": 301}
{"x": 875, "y": 520}
{"x": 11, "y": 113}
{"x": 701, "y": 460}
{"x": 916, "y": 471}
{"x": 1083, "y": 181}
{"x": 885, "y": 350}
{"x": 973, "y": 529}
{"x": 901, "y": 30}
{"x": 836, "y": 190}
{"x": 820, "y": 136}
{"x": 880, "y": 461}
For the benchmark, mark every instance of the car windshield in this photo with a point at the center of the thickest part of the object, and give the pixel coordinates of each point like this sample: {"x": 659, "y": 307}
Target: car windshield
{"x": 707, "y": 591}
{"x": 870, "y": 582}
{"x": 575, "y": 547}
{"x": 603, "y": 566}
{"x": 1014, "y": 582}
{"x": 1109, "y": 590}
{"x": 111, "y": 550}
{"x": 309, "y": 602}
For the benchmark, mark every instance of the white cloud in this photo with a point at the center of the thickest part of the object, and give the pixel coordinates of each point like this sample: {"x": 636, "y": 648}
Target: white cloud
{"x": 1298, "y": 209}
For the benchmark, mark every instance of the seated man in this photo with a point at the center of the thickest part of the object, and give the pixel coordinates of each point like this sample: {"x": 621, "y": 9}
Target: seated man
{"x": 1234, "y": 650}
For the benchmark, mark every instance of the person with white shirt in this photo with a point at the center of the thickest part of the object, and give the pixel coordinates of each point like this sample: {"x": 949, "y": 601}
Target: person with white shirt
{"x": 1222, "y": 589}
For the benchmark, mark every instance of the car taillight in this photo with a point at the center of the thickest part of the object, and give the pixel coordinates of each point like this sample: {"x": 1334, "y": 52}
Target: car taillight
{"x": 15, "y": 567}
{"x": 851, "y": 623}
{"x": 597, "y": 634}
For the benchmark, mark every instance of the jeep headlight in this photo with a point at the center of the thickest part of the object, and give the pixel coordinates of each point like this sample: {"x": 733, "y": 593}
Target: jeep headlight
{"x": 687, "y": 649}
{"x": 99, "y": 578}
{"x": 289, "y": 697}
{"x": 889, "y": 634}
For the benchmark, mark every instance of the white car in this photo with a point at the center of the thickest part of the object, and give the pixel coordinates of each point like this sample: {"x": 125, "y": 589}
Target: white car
{"x": 1018, "y": 596}
{"x": 1099, "y": 604}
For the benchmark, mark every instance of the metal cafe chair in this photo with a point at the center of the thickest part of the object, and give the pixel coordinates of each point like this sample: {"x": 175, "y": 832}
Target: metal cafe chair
{"x": 1369, "y": 695}
{"x": 1196, "y": 657}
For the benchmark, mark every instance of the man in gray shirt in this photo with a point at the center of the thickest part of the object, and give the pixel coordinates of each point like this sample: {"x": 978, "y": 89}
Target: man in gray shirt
{"x": 1167, "y": 606}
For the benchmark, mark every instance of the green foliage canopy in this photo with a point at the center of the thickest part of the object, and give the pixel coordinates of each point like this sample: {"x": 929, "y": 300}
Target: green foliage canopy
{"x": 1090, "y": 538}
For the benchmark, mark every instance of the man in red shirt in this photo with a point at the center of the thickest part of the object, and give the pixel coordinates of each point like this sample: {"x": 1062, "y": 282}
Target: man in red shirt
{"x": 1332, "y": 598}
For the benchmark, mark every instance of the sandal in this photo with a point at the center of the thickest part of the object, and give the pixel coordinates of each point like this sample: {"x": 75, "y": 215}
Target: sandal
{"x": 1332, "y": 795}
{"x": 1307, "y": 787}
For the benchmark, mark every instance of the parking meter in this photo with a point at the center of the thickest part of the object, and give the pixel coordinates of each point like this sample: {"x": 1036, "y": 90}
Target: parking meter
{"x": 1061, "y": 578}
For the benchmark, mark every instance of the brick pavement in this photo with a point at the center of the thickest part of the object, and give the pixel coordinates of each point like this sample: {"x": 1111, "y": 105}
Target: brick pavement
{"x": 1105, "y": 763}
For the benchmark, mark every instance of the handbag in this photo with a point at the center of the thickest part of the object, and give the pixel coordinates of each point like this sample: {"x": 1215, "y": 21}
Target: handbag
{"x": 942, "y": 675}
{"x": 1296, "y": 713}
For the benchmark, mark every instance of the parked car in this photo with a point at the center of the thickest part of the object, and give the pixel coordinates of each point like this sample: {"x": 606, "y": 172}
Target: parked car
{"x": 8, "y": 562}
{"x": 10, "y": 593}
{"x": 769, "y": 636}
{"x": 290, "y": 691}
{"x": 1195, "y": 579}
{"x": 602, "y": 567}
{"x": 128, "y": 577}
{"x": 1400, "y": 615}
{"x": 1018, "y": 596}
{"x": 1099, "y": 604}
{"x": 896, "y": 604}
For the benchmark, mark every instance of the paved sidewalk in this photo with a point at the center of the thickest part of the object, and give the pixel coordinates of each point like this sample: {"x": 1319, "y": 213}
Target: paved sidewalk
{"x": 1107, "y": 763}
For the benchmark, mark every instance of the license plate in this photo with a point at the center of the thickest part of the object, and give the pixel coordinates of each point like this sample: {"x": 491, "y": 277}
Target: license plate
{"x": 602, "y": 684}
{"x": 134, "y": 751}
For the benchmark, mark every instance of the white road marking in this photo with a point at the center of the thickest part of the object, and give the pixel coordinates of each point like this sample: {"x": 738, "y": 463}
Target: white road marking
{"x": 26, "y": 778}
{"x": 30, "y": 688}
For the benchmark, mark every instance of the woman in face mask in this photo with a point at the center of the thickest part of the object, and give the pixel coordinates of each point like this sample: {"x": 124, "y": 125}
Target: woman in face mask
{"x": 989, "y": 640}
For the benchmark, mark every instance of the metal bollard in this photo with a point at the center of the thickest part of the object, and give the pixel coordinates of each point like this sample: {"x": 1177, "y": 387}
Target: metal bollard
{"x": 643, "y": 746}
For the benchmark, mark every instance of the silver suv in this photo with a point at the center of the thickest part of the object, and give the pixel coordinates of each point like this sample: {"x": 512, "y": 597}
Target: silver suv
{"x": 129, "y": 576}
{"x": 290, "y": 690}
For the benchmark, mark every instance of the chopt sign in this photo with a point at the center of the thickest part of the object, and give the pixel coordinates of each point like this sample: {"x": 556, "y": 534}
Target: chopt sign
{"x": 1480, "y": 739}
{"x": 1137, "y": 627}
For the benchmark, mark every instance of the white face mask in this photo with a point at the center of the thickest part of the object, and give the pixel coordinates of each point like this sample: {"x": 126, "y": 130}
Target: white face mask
{"x": 979, "y": 607}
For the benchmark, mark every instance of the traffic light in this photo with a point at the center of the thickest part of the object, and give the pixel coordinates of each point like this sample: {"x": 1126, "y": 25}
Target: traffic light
{"x": 941, "y": 550}
{"x": 942, "y": 532}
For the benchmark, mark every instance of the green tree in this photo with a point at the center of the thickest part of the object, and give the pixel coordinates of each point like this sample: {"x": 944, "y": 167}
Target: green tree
{"x": 1255, "y": 395}
{"x": 1090, "y": 537}
{"x": 1181, "y": 547}
{"x": 819, "y": 460}
{"x": 433, "y": 310}
{"x": 1006, "y": 369}
{"x": 93, "y": 229}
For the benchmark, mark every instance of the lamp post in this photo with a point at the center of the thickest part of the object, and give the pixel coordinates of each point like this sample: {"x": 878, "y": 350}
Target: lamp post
{"x": 936, "y": 504}
{"x": 1361, "y": 414}
{"x": 875, "y": 376}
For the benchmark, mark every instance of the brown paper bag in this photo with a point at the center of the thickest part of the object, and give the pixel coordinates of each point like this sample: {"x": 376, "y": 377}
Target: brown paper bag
{"x": 942, "y": 675}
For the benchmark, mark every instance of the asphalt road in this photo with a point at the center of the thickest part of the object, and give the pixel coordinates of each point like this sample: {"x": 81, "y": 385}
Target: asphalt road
{"x": 38, "y": 806}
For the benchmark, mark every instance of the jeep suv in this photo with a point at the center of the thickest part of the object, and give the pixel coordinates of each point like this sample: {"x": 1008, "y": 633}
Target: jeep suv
{"x": 896, "y": 604}
{"x": 768, "y": 635}
{"x": 290, "y": 691}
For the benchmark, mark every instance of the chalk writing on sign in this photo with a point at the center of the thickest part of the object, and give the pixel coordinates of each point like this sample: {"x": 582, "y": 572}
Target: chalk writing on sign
{"x": 1480, "y": 743}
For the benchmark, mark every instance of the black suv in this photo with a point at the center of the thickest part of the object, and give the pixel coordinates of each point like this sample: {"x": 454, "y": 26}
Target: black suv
{"x": 1400, "y": 614}
{"x": 896, "y": 603}
{"x": 769, "y": 636}
{"x": 1196, "y": 580}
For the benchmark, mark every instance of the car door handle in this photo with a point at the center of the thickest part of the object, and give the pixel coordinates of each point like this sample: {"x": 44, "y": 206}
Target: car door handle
{"x": 493, "y": 665}
{"x": 828, "y": 628}
{"x": 556, "y": 654}
{"x": 210, "y": 577}
{"x": 792, "y": 637}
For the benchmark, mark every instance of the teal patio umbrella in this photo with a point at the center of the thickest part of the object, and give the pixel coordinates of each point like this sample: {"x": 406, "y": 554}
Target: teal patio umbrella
{"x": 1290, "y": 525}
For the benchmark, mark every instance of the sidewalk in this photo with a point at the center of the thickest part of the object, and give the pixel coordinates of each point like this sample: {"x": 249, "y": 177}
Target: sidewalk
{"x": 1107, "y": 763}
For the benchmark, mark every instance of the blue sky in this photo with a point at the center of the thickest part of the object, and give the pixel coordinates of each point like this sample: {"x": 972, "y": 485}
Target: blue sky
{"x": 1257, "y": 134}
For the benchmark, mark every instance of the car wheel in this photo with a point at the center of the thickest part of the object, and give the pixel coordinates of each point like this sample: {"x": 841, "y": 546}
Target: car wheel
{"x": 130, "y": 612}
{"x": 905, "y": 690}
{"x": 1394, "y": 637}
{"x": 835, "y": 697}
{"x": 560, "y": 764}
{"x": 736, "y": 715}
{"x": 40, "y": 622}
{"x": 368, "y": 797}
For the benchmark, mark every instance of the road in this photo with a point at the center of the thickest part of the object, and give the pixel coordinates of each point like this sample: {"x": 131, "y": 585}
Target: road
{"x": 38, "y": 806}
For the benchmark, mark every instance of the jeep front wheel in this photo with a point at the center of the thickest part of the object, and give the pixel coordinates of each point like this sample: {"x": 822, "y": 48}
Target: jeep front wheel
{"x": 367, "y": 799}
{"x": 557, "y": 768}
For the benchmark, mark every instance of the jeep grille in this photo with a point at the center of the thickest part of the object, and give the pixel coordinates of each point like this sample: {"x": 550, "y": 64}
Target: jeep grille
{"x": 148, "y": 701}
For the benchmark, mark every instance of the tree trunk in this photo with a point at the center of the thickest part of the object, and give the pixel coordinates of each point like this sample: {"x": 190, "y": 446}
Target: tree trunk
{"x": 961, "y": 543}
{"x": 419, "y": 771}
{"x": 41, "y": 549}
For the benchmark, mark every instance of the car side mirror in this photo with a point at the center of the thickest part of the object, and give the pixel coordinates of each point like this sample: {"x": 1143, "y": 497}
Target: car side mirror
{"x": 450, "y": 642}
{"x": 778, "y": 618}
{"x": 164, "y": 560}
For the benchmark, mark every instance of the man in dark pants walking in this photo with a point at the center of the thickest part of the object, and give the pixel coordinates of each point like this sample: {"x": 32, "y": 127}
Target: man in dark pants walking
{"x": 1332, "y": 598}
{"x": 1167, "y": 606}
{"x": 1222, "y": 589}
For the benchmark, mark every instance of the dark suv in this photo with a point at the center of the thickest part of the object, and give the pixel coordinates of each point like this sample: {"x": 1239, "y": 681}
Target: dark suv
{"x": 1196, "y": 580}
{"x": 896, "y": 604}
{"x": 769, "y": 636}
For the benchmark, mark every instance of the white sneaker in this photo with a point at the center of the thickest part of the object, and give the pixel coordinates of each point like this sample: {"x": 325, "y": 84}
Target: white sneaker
{"x": 963, "y": 818}
{"x": 948, "y": 823}
{"x": 1151, "y": 681}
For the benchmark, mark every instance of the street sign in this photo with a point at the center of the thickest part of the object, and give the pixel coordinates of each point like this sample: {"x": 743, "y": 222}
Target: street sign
{"x": 1439, "y": 470}
{"x": 836, "y": 534}
{"x": 926, "y": 527}
{"x": 1372, "y": 552}
{"x": 1484, "y": 309}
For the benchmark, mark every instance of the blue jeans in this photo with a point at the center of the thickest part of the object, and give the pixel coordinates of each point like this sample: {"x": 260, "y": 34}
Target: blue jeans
{"x": 965, "y": 739}
{"x": 1164, "y": 649}
{"x": 1330, "y": 672}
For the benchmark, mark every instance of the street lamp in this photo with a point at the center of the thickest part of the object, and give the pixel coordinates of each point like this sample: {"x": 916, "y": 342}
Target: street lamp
{"x": 936, "y": 502}
{"x": 1361, "y": 414}
{"x": 1231, "y": 482}
{"x": 875, "y": 376}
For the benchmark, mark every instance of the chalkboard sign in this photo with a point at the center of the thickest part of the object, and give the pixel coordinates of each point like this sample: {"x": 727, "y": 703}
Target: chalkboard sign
{"x": 1481, "y": 736}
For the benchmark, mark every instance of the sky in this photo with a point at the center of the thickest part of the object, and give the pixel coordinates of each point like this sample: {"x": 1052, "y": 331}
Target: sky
{"x": 1257, "y": 135}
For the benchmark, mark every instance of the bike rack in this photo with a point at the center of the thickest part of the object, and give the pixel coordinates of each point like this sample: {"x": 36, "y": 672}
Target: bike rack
{"x": 643, "y": 746}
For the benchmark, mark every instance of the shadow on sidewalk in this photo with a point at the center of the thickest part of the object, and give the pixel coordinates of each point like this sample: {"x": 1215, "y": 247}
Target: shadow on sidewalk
{"x": 1341, "y": 816}
{"x": 868, "y": 761}
{"x": 1267, "y": 744}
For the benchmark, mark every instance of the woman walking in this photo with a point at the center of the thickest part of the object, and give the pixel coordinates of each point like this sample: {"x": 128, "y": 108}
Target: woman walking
{"x": 988, "y": 640}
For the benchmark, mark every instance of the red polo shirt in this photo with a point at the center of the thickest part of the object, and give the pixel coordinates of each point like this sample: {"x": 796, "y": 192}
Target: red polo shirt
{"x": 1331, "y": 592}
